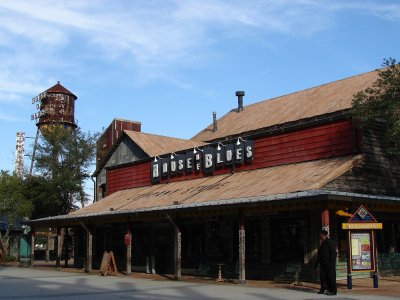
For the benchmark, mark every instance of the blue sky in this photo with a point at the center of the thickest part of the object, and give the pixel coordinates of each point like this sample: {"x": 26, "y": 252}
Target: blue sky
{"x": 170, "y": 64}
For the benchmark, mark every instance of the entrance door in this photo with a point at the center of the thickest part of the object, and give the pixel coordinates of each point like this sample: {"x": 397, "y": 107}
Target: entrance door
{"x": 288, "y": 237}
{"x": 163, "y": 249}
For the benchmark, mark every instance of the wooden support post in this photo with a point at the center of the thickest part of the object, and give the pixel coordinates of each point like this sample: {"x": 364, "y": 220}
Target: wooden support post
{"x": 48, "y": 247}
{"x": 242, "y": 251}
{"x": 325, "y": 219}
{"x": 89, "y": 248}
{"x": 128, "y": 243}
{"x": 59, "y": 248}
{"x": 32, "y": 249}
{"x": 178, "y": 253}
{"x": 152, "y": 253}
{"x": 19, "y": 250}
{"x": 177, "y": 249}
{"x": 66, "y": 248}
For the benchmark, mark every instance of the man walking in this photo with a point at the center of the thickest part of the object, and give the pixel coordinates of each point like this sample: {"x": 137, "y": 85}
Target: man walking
{"x": 326, "y": 259}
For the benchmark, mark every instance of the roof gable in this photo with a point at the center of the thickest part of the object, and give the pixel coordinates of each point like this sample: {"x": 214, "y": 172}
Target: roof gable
{"x": 320, "y": 100}
{"x": 151, "y": 144}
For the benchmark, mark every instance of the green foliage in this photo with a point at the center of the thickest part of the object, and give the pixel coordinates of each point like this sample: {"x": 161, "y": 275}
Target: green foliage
{"x": 382, "y": 102}
{"x": 45, "y": 197}
{"x": 9, "y": 258}
{"x": 13, "y": 201}
{"x": 63, "y": 161}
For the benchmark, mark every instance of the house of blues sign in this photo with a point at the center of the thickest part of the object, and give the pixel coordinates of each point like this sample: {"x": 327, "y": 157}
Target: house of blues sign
{"x": 202, "y": 160}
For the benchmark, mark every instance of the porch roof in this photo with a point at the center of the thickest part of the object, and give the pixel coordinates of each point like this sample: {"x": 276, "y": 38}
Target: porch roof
{"x": 280, "y": 182}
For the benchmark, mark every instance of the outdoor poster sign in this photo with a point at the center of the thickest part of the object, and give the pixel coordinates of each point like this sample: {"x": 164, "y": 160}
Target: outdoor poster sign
{"x": 362, "y": 254}
{"x": 361, "y": 250}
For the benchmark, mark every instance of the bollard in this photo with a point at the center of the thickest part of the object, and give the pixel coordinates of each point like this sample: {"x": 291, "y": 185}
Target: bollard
{"x": 349, "y": 282}
{"x": 375, "y": 280}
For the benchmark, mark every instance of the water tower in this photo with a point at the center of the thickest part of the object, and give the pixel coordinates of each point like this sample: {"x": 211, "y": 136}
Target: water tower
{"x": 55, "y": 107}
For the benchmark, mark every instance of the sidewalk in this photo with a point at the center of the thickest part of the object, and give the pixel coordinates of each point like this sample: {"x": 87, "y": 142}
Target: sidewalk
{"x": 388, "y": 286}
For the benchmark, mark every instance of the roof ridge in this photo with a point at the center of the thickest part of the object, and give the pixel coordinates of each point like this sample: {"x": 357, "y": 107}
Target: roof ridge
{"x": 318, "y": 100}
{"x": 155, "y": 135}
{"x": 311, "y": 88}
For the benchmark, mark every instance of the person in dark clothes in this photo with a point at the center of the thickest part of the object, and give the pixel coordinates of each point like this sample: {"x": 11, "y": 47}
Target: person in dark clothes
{"x": 326, "y": 259}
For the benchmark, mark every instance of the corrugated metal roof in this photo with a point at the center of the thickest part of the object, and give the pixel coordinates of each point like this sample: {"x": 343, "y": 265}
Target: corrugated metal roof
{"x": 320, "y": 100}
{"x": 154, "y": 144}
{"x": 267, "y": 198}
{"x": 291, "y": 178}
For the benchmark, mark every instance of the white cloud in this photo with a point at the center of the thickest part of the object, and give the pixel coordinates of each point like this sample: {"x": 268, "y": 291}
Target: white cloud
{"x": 152, "y": 34}
{"x": 37, "y": 35}
{"x": 8, "y": 117}
{"x": 390, "y": 12}
{"x": 387, "y": 10}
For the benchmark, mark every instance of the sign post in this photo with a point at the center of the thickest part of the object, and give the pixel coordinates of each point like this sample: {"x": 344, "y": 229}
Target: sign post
{"x": 361, "y": 246}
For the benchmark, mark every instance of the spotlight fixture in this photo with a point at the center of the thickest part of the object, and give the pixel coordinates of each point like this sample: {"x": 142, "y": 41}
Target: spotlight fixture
{"x": 238, "y": 141}
{"x": 155, "y": 158}
{"x": 173, "y": 154}
{"x": 195, "y": 149}
{"x": 219, "y": 146}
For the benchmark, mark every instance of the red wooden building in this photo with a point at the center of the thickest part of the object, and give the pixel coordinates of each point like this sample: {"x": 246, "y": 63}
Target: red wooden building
{"x": 250, "y": 192}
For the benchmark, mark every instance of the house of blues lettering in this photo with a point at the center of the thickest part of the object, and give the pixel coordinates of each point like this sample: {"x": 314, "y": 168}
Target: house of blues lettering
{"x": 204, "y": 160}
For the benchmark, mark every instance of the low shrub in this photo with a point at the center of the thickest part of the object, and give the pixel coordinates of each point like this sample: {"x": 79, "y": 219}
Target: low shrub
{"x": 9, "y": 258}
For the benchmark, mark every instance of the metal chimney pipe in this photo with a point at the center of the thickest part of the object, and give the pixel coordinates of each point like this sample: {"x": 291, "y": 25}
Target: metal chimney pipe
{"x": 215, "y": 121}
{"x": 240, "y": 95}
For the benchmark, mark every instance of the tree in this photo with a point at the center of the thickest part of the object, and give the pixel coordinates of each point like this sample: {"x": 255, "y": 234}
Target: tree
{"x": 382, "y": 102}
{"x": 63, "y": 160}
{"x": 13, "y": 202}
{"x": 44, "y": 197}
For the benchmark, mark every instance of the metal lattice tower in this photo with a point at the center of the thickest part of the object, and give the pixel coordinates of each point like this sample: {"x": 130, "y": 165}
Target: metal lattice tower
{"x": 19, "y": 154}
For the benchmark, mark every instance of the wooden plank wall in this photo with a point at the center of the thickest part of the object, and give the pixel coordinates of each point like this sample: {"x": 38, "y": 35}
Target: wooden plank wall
{"x": 378, "y": 174}
{"x": 128, "y": 177}
{"x": 322, "y": 141}
{"x": 111, "y": 135}
{"x": 329, "y": 140}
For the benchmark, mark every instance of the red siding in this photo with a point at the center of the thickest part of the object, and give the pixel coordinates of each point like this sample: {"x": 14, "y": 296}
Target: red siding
{"x": 335, "y": 139}
{"x": 128, "y": 177}
{"x": 323, "y": 141}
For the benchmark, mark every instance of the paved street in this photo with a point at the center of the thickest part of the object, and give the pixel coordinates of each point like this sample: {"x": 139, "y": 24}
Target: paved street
{"x": 26, "y": 283}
